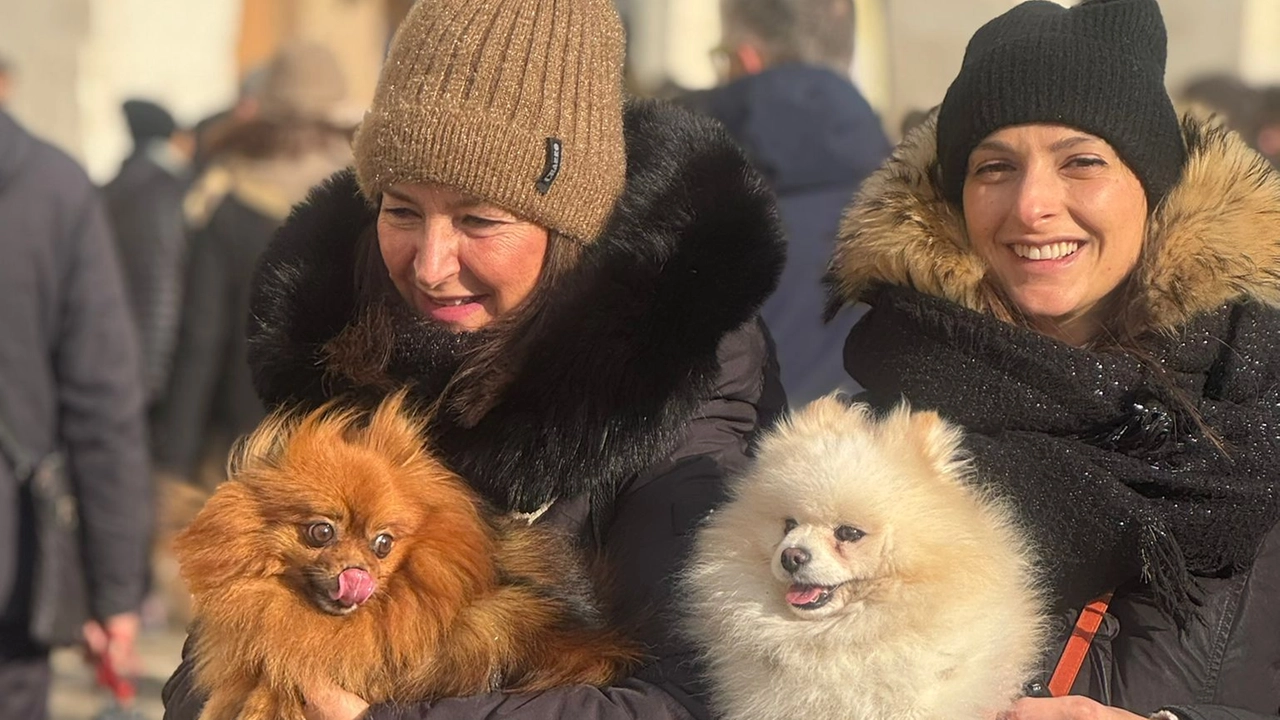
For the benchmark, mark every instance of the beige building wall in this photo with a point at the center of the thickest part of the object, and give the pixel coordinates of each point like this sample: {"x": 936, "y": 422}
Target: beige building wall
{"x": 78, "y": 60}
{"x": 43, "y": 41}
{"x": 179, "y": 54}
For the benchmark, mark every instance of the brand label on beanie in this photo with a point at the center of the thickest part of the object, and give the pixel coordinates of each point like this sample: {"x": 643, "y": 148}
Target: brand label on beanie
{"x": 555, "y": 156}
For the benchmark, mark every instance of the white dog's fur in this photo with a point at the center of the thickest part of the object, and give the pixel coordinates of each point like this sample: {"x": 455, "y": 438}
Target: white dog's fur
{"x": 938, "y": 615}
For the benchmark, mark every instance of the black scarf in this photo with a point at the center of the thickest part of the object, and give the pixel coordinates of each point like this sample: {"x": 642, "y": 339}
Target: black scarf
{"x": 1138, "y": 490}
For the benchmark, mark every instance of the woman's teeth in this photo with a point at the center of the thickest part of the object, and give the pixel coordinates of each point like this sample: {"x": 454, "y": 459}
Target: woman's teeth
{"x": 1052, "y": 251}
{"x": 454, "y": 303}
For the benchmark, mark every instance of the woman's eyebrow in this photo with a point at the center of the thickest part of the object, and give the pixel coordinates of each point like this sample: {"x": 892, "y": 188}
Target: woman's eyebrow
{"x": 1070, "y": 142}
{"x": 402, "y": 197}
{"x": 994, "y": 145}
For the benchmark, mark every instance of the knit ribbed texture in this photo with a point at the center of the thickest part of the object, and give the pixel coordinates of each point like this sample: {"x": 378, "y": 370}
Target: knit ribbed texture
{"x": 1098, "y": 67}
{"x": 475, "y": 94}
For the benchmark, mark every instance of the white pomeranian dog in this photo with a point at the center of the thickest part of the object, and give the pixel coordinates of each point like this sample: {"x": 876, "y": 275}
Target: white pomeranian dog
{"x": 856, "y": 573}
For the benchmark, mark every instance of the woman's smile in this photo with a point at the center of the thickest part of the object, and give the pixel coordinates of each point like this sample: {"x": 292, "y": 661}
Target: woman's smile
{"x": 454, "y": 310}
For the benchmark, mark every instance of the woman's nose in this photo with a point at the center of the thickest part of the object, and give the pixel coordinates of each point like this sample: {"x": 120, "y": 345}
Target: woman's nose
{"x": 1039, "y": 196}
{"x": 437, "y": 257}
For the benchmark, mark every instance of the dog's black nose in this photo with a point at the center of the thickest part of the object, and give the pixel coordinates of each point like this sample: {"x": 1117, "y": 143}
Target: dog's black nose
{"x": 793, "y": 558}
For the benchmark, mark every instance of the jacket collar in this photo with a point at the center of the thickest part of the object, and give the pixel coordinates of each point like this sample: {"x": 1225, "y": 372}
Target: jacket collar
{"x": 612, "y": 370}
{"x": 1216, "y": 236}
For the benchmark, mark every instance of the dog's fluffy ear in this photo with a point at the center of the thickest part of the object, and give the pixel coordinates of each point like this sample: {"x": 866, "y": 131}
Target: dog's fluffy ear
{"x": 217, "y": 547}
{"x": 264, "y": 447}
{"x": 935, "y": 440}
{"x": 395, "y": 431}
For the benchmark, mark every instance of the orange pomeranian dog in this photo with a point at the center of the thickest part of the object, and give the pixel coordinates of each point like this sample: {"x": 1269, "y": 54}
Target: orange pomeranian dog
{"x": 340, "y": 552}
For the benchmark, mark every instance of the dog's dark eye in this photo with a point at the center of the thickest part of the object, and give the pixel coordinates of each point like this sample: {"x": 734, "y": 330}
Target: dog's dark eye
{"x": 320, "y": 534}
{"x": 382, "y": 545}
{"x": 789, "y": 525}
{"x": 848, "y": 533}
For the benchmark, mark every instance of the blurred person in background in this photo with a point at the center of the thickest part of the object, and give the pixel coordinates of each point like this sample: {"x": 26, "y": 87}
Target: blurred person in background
{"x": 1266, "y": 126}
{"x": 144, "y": 203}
{"x": 210, "y": 131}
{"x": 6, "y": 81}
{"x": 70, "y": 380}
{"x": 912, "y": 120}
{"x": 257, "y": 171}
{"x": 1227, "y": 97}
{"x": 791, "y": 105}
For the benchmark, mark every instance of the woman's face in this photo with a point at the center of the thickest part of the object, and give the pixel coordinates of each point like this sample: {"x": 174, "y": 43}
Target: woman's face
{"x": 457, "y": 259}
{"x": 1060, "y": 220}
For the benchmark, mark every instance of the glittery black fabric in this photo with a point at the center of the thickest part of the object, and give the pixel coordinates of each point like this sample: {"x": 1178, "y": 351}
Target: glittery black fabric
{"x": 1114, "y": 478}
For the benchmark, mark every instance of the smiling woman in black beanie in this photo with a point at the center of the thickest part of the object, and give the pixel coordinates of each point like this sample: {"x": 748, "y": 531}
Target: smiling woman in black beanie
{"x": 1090, "y": 288}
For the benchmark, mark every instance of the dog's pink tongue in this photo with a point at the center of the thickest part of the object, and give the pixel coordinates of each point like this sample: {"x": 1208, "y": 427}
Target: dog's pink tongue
{"x": 354, "y": 587}
{"x": 803, "y": 594}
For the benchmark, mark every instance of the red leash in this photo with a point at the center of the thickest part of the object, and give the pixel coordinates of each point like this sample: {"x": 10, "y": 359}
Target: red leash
{"x": 1073, "y": 655}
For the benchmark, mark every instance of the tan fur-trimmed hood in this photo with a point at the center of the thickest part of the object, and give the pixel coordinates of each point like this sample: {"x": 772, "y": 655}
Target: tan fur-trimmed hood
{"x": 1216, "y": 237}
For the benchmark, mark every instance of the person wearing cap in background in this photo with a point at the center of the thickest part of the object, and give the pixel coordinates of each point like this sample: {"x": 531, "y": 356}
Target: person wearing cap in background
{"x": 573, "y": 280}
{"x": 1090, "y": 288}
{"x": 144, "y": 204}
{"x": 258, "y": 170}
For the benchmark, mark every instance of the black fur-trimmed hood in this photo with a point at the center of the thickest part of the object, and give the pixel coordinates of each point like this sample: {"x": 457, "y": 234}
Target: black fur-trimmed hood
{"x": 610, "y": 371}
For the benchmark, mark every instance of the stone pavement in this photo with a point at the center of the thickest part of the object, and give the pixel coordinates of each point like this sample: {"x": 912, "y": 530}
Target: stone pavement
{"x": 76, "y": 697}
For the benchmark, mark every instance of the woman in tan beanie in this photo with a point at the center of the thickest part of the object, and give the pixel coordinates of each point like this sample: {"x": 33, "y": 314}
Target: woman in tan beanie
{"x": 569, "y": 279}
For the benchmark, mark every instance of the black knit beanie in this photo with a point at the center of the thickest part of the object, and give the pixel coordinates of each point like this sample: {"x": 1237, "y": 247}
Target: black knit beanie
{"x": 148, "y": 120}
{"x": 1098, "y": 67}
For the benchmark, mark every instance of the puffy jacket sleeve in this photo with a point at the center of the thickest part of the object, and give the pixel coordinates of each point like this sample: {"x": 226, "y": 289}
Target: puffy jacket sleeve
{"x": 198, "y": 356}
{"x": 646, "y": 541}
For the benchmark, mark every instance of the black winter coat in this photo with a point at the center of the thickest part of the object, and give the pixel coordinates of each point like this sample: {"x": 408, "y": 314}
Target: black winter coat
{"x": 210, "y": 399}
{"x": 144, "y": 203}
{"x": 1157, "y": 478}
{"x": 641, "y": 390}
{"x": 815, "y": 139}
{"x": 70, "y": 376}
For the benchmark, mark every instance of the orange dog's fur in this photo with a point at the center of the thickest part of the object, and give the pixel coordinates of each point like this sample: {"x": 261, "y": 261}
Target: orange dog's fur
{"x": 465, "y": 602}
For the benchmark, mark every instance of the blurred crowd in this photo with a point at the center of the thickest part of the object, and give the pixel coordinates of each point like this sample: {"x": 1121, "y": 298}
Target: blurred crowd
{"x": 124, "y": 312}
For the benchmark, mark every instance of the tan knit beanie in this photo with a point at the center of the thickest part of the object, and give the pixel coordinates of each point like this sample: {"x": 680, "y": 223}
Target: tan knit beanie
{"x": 518, "y": 102}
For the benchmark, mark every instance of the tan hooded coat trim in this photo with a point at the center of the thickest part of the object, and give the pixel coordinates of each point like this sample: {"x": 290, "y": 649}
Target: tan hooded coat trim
{"x": 1215, "y": 238}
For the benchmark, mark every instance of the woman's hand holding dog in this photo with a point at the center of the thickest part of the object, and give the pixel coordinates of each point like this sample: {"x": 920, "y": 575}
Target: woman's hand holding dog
{"x": 333, "y": 703}
{"x": 1065, "y": 708}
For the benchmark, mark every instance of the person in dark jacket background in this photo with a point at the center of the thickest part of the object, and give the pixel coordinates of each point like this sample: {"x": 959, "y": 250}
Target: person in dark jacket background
{"x": 144, "y": 203}
{"x": 791, "y": 105}
{"x": 1092, "y": 290}
{"x": 70, "y": 379}
{"x": 257, "y": 171}
{"x": 572, "y": 281}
